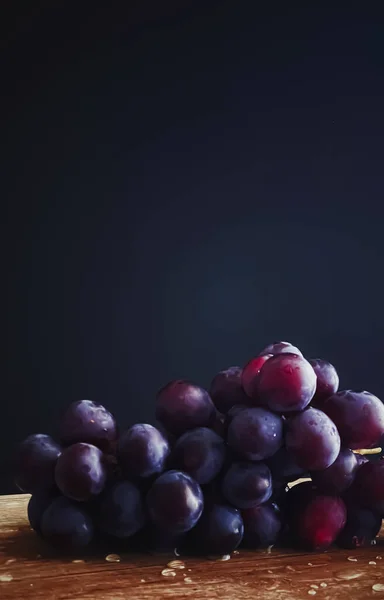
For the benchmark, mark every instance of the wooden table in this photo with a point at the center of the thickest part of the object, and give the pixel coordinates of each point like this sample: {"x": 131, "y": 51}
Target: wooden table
{"x": 29, "y": 570}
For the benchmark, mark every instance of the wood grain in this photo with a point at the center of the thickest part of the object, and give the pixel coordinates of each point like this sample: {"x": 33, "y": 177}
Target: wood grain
{"x": 28, "y": 569}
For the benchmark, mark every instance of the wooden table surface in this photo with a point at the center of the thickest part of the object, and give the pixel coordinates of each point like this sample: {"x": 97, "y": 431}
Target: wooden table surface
{"x": 29, "y": 570}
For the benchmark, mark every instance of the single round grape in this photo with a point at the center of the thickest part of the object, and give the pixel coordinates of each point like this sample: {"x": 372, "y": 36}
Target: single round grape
{"x": 142, "y": 451}
{"x": 262, "y": 525}
{"x": 338, "y": 477}
{"x": 120, "y": 510}
{"x": 181, "y": 406}
{"x": 66, "y": 525}
{"x": 175, "y": 502}
{"x": 283, "y": 466}
{"x": 200, "y": 453}
{"x": 35, "y": 463}
{"x": 250, "y": 376}
{"x": 226, "y": 389}
{"x": 368, "y": 486}
{"x": 218, "y": 532}
{"x": 286, "y": 383}
{"x": 38, "y": 504}
{"x": 359, "y": 417}
{"x": 246, "y": 485}
{"x": 81, "y": 472}
{"x": 320, "y": 522}
{"x": 280, "y": 348}
{"x": 327, "y": 380}
{"x": 255, "y": 433}
{"x": 312, "y": 439}
{"x": 361, "y": 528}
{"x": 86, "y": 421}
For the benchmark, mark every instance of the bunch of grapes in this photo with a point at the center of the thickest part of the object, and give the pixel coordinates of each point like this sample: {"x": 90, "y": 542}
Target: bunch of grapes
{"x": 218, "y": 471}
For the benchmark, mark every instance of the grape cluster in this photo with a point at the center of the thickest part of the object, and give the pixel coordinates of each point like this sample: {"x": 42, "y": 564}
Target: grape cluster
{"x": 218, "y": 470}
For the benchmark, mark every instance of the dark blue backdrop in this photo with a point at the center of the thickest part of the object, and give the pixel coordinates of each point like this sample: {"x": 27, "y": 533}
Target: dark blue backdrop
{"x": 185, "y": 185}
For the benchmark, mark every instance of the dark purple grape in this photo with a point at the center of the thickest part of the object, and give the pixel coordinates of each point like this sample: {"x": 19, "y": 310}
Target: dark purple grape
{"x": 359, "y": 417}
{"x": 86, "y": 421}
{"x": 327, "y": 380}
{"x": 319, "y": 522}
{"x": 120, "y": 510}
{"x": 368, "y": 486}
{"x": 181, "y": 406}
{"x": 81, "y": 472}
{"x": 262, "y": 525}
{"x": 142, "y": 451}
{"x": 226, "y": 389}
{"x": 38, "y": 504}
{"x": 255, "y": 433}
{"x": 35, "y": 463}
{"x": 283, "y": 466}
{"x": 175, "y": 502}
{"x": 338, "y": 477}
{"x": 246, "y": 485}
{"x": 218, "y": 532}
{"x": 200, "y": 453}
{"x": 66, "y": 525}
{"x": 361, "y": 528}
{"x": 280, "y": 348}
{"x": 250, "y": 376}
{"x": 287, "y": 383}
{"x": 312, "y": 439}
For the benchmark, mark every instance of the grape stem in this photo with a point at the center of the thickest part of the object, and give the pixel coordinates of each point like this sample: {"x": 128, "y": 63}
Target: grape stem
{"x": 368, "y": 451}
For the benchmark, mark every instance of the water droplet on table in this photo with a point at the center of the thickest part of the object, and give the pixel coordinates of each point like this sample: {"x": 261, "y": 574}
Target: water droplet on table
{"x": 112, "y": 558}
{"x": 188, "y": 580}
{"x": 378, "y": 587}
{"x": 6, "y": 577}
{"x": 352, "y": 559}
{"x": 176, "y": 564}
{"x": 168, "y": 573}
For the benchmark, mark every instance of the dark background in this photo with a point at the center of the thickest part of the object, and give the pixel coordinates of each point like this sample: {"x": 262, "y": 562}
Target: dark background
{"x": 186, "y": 182}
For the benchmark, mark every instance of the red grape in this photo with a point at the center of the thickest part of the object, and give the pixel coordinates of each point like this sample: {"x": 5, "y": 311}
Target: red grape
{"x": 81, "y": 472}
{"x": 142, "y": 451}
{"x": 66, "y": 525}
{"x": 368, "y": 486}
{"x": 255, "y": 433}
{"x": 250, "y": 376}
{"x": 359, "y": 417}
{"x": 200, "y": 453}
{"x": 120, "y": 510}
{"x": 218, "y": 532}
{"x": 35, "y": 463}
{"x": 175, "y": 502}
{"x": 287, "y": 382}
{"x": 327, "y": 380}
{"x": 89, "y": 422}
{"x": 226, "y": 389}
{"x": 361, "y": 528}
{"x": 312, "y": 439}
{"x": 320, "y": 522}
{"x": 246, "y": 485}
{"x": 338, "y": 477}
{"x": 262, "y": 525}
{"x": 181, "y": 406}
